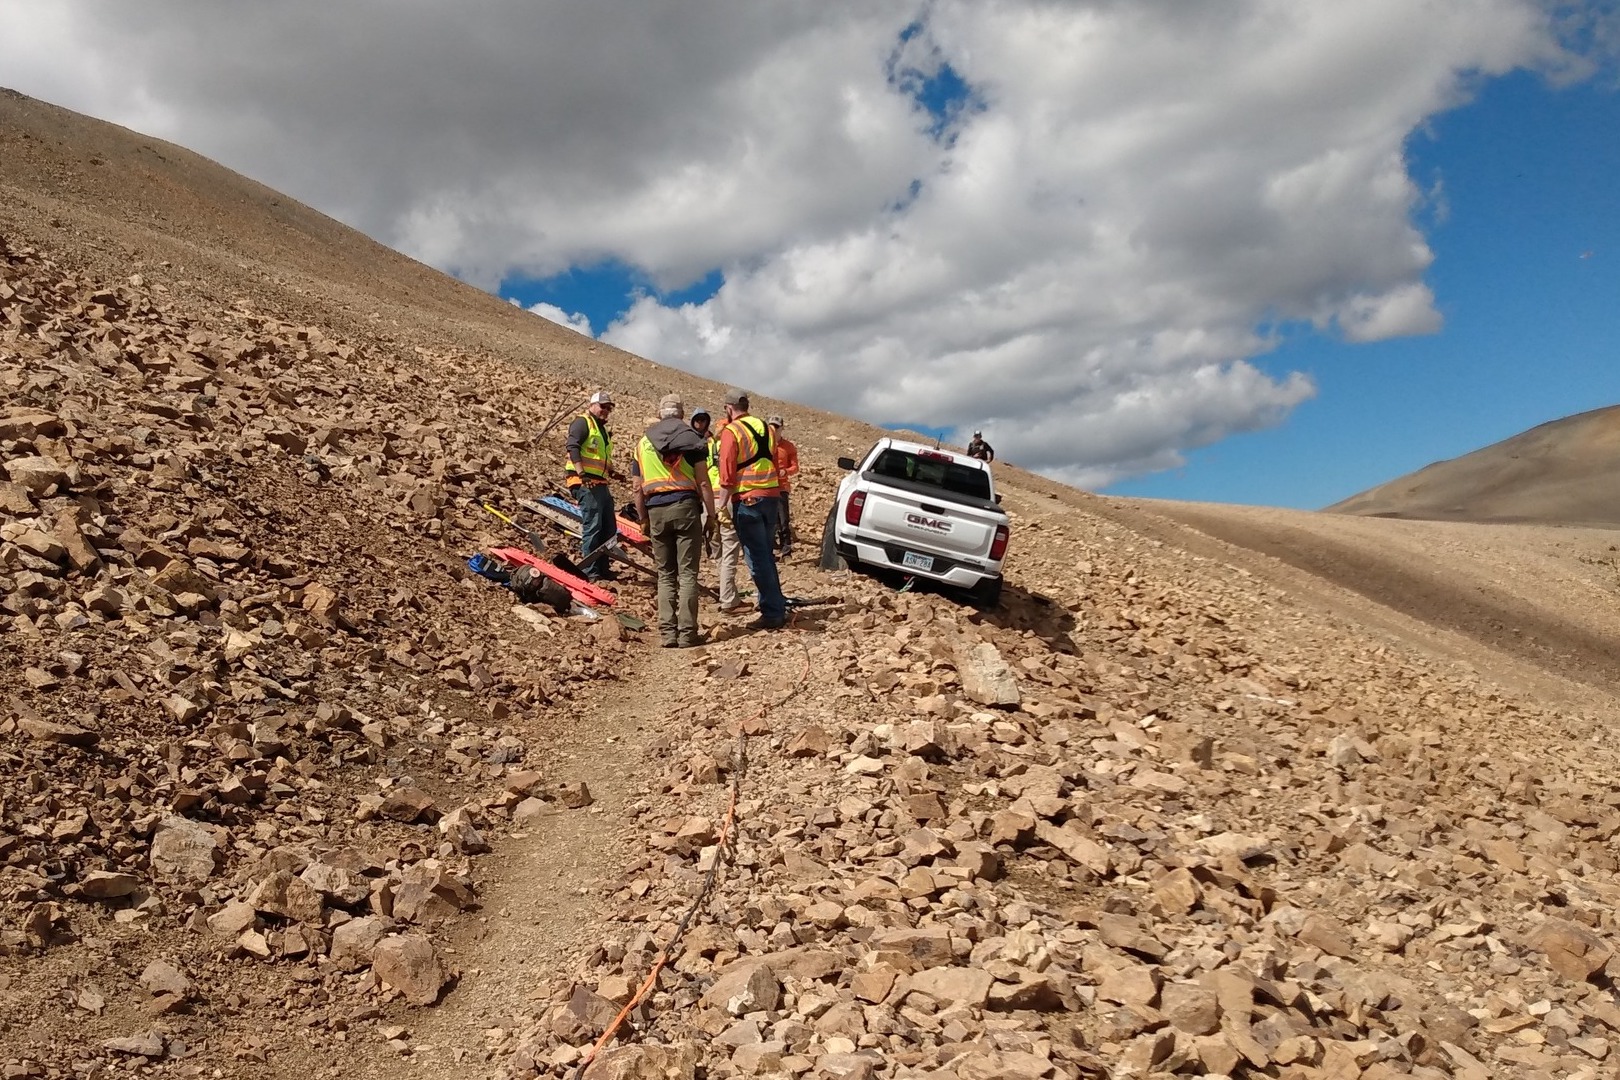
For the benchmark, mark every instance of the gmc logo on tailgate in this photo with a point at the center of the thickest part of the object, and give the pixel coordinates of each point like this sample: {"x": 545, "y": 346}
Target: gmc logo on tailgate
{"x": 937, "y": 524}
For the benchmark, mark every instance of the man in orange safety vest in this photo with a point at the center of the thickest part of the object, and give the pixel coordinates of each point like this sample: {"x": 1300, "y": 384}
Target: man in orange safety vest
{"x": 751, "y": 490}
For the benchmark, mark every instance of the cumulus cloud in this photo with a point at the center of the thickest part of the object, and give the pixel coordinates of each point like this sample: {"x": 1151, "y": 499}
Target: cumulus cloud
{"x": 1083, "y": 253}
{"x": 1401, "y": 312}
{"x": 578, "y": 323}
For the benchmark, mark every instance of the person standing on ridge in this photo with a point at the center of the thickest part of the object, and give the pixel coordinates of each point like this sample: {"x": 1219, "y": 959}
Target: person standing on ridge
{"x": 787, "y": 467}
{"x": 672, "y": 499}
{"x": 589, "y": 468}
{"x": 980, "y": 449}
{"x": 750, "y": 490}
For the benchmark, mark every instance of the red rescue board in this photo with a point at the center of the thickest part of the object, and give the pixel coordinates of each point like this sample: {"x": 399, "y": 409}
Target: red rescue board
{"x": 584, "y": 591}
{"x": 631, "y": 531}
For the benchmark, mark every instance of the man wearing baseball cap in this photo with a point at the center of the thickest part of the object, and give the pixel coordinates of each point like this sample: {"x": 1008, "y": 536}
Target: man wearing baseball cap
{"x": 749, "y": 487}
{"x": 980, "y": 449}
{"x": 589, "y": 468}
{"x": 671, "y": 476}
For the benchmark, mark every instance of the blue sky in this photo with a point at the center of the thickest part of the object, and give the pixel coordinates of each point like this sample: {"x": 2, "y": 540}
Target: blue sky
{"x": 1270, "y": 251}
{"x": 1527, "y": 275}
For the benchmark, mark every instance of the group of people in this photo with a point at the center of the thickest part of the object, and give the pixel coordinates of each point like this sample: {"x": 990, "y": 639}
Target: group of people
{"x": 694, "y": 487}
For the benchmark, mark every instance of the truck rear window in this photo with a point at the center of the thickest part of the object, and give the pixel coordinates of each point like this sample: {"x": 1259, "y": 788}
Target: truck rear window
{"x": 933, "y": 472}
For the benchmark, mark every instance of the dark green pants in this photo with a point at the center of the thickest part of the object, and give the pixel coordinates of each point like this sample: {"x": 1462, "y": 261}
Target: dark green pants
{"x": 676, "y": 532}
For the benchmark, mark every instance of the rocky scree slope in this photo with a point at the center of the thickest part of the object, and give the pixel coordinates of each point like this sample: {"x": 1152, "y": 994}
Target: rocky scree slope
{"x": 118, "y": 202}
{"x": 257, "y": 717}
{"x": 1152, "y": 820}
{"x": 1184, "y": 826}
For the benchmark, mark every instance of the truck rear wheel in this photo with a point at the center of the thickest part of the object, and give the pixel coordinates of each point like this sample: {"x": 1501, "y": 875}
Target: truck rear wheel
{"x": 986, "y": 594}
{"x": 830, "y": 559}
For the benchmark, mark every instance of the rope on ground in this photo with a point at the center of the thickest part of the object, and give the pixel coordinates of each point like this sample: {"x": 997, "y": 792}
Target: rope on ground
{"x": 725, "y": 851}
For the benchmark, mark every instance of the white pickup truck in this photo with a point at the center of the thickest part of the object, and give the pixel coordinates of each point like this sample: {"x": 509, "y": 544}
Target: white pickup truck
{"x": 913, "y": 509}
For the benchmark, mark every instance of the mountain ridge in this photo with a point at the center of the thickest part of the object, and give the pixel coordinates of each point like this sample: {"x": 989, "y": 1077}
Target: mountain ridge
{"x": 1564, "y": 471}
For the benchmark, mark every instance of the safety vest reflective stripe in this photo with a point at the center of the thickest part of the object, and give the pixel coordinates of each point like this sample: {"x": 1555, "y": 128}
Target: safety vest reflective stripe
{"x": 756, "y": 448}
{"x": 658, "y": 477}
{"x": 594, "y": 453}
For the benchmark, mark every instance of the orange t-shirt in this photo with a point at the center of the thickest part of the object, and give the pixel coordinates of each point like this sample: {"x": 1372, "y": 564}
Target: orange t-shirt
{"x": 787, "y": 463}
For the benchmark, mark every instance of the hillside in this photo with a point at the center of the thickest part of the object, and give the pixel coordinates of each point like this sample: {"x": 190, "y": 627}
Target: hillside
{"x": 285, "y": 791}
{"x": 1564, "y": 472}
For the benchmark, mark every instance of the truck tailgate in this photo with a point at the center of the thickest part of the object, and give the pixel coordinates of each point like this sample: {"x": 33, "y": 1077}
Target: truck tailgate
{"x": 906, "y": 519}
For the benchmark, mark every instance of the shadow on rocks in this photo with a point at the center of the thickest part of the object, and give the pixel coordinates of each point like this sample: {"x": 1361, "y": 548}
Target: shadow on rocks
{"x": 1021, "y": 610}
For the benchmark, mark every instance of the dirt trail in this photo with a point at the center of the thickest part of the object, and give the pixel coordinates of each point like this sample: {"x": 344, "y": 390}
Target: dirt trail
{"x": 543, "y": 897}
{"x": 548, "y": 892}
{"x": 1533, "y": 601}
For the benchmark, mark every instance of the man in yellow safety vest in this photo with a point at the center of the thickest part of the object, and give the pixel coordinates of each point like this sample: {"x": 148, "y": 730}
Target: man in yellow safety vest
{"x": 672, "y": 498}
{"x": 589, "y": 468}
{"x": 751, "y": 490}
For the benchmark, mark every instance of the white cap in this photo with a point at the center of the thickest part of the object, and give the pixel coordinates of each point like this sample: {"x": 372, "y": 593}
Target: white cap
{"x": 601, "y": 397}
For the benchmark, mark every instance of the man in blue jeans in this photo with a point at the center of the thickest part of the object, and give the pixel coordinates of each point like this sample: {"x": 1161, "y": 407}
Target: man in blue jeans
{"x": 749, "y": 485}
{"x": 589, "y": 467}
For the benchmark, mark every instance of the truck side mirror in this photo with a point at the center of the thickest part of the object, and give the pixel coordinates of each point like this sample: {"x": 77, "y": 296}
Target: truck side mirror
{"x": 846, "y": 463}
{"x": 998, "y": 498}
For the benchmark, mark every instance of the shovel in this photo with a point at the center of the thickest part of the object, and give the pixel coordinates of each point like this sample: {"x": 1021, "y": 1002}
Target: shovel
{"x": 530, "y": 535}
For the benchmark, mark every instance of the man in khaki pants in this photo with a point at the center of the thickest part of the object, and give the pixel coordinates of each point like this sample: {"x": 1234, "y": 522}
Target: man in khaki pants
{"x": 672, "y": 498}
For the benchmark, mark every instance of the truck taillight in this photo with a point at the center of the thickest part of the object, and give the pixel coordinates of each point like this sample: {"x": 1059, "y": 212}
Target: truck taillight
{"x": 998, "y": 546}
{"x": 854, "y": 508}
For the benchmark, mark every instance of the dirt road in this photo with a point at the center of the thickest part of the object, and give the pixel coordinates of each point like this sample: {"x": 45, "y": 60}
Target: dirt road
{"x": 1544, "y": 595}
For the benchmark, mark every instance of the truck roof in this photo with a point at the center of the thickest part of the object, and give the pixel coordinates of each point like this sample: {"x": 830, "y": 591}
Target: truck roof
{"x": 924, "y": 448}
{"x": 955, "y": 481}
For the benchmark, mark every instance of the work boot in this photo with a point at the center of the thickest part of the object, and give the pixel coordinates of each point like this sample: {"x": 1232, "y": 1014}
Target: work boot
{"x": 670, "y": 643}
{"x": 762, "y": 623}
{"x": 691, "y": 641}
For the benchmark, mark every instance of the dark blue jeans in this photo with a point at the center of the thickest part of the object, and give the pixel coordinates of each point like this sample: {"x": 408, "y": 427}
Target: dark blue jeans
{"x": 756, "y": 528}
{"x": 597, "y": 524}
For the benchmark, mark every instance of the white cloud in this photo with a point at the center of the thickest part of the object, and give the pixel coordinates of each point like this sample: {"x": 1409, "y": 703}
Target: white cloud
{"x": 1078, "y": 263}
{"x": 1403, "y": 311}
{"x": 578, "y": 323}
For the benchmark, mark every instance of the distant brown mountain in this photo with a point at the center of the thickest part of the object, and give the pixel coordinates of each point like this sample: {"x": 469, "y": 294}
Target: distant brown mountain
{"x": 1562, "y": 472}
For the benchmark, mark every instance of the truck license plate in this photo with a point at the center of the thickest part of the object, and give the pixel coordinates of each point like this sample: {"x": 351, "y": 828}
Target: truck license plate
{"x": 917, "y": 562}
